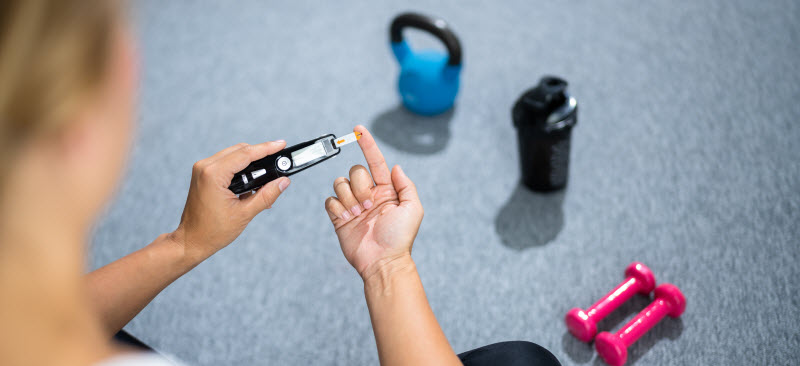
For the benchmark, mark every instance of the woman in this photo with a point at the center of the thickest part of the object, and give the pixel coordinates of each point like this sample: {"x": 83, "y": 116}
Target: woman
{"x": 68, "y": 77}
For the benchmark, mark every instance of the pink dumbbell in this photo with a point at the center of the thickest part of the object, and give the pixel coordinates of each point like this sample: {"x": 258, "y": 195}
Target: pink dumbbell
{"x": 583, "y": 324}
{"x": 613, "y": 348}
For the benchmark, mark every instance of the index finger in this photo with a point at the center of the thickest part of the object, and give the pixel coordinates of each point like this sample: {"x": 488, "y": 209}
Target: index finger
{"x": 226, "y": 151}
{"x": 377, "y": 164}
{"x": 239, "y": 159}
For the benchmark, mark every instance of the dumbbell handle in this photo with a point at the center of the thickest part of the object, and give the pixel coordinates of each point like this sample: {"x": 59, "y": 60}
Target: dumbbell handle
{"x": 669, "y": 301}
{"x": 583, "y": 323}
{"x": 643, "y": 321}
{"x": 613, "y": 348}
{"x": 614, "y": 299}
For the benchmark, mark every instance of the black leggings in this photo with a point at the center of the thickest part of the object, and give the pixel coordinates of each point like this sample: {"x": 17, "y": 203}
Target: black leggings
{"x": 514, "y": 353}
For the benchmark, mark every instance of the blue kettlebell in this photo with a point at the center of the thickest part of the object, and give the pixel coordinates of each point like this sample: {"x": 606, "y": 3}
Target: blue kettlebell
{"x": 428, "y": 81}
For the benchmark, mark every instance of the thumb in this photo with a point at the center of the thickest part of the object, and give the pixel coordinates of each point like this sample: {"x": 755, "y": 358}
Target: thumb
{"x": 405, "y": 188}
{"x": 266, "y": 196}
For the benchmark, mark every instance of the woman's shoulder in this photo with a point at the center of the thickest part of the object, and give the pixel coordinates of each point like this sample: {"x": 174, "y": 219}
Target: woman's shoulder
{"x": 137, "y": 359}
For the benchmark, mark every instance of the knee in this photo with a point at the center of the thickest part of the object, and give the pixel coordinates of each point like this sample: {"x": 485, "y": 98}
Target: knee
{"x": 513, "y": 353}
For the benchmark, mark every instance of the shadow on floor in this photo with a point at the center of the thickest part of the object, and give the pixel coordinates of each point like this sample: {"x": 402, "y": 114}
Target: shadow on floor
{"x": 576, "y": 350}
{"x": 530, "y": 218}
{"x": 580, "y": 352}
{"x": 413, "y": 133}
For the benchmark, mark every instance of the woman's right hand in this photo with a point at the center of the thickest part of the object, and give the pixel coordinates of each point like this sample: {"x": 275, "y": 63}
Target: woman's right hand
{"x": 376, "y": 223}
{"x": 214, "y": 216}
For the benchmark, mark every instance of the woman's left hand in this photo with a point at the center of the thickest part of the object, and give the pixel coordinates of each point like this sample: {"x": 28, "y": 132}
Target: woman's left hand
{"x": 214, "y": 216}
{"x": 376, "y": 215}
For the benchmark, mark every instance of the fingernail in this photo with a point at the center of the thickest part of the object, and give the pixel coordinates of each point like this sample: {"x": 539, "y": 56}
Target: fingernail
{"x": 356, "y": 211}
{"x": 279, "y": 141}
{"x": 367, "y": 204}
{"x": 345, "y": 215}
{"x": 283, "y": 184}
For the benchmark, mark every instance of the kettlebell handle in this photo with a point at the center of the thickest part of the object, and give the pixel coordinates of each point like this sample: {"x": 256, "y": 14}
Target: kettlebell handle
{"x": 436, "y": 27}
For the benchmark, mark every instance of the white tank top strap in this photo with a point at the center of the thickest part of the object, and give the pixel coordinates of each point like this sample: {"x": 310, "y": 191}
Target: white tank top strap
{"x": 137, "y": 359}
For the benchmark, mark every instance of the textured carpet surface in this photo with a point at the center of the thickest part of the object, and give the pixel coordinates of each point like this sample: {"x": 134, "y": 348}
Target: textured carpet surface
{"x": 685, "y": 157}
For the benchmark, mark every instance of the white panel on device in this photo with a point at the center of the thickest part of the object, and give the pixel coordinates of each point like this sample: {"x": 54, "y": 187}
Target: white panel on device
{"x": 304, "y": 155}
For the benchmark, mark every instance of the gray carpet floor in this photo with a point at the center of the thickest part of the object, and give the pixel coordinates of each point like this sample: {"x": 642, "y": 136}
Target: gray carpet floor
{"x": 685, "y": 157}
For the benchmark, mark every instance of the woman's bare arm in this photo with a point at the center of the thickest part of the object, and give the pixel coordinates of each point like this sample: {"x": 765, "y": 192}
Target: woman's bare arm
{"x": 212, "y": 219}
{"x": 121, "y": 289}
{"x": 406, "y": 331}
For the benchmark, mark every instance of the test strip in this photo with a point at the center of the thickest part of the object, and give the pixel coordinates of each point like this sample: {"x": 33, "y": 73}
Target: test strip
{"x": 346, "y": 139}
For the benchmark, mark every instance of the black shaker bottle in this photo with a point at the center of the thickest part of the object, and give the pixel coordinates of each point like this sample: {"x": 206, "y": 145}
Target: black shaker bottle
{"x": 544, "y": 117}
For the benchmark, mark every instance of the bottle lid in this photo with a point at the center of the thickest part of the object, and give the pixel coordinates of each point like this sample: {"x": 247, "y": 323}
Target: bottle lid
{"x": 547, "y": 105}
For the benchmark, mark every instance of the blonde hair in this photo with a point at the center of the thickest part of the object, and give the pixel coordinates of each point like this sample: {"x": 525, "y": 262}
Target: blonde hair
{"x": 53, "y": 55}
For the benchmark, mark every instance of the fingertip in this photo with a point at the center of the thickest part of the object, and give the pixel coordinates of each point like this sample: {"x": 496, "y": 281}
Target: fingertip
{"x": 284, "y": 183}
{"x": 399, "y": 170}
{"x": 356, "y": 168}
{"x": 366, "y": 137}
{"x": 266, "y": 196}
{"x": 279, "y": 144}
{"x": 275, "y": 142}
{"x": 335, "y": 209}
{"x": 269, "y": 147}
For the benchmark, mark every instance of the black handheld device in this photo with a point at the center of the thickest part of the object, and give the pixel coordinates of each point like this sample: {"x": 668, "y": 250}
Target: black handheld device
{"x": 284, "y": 163}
